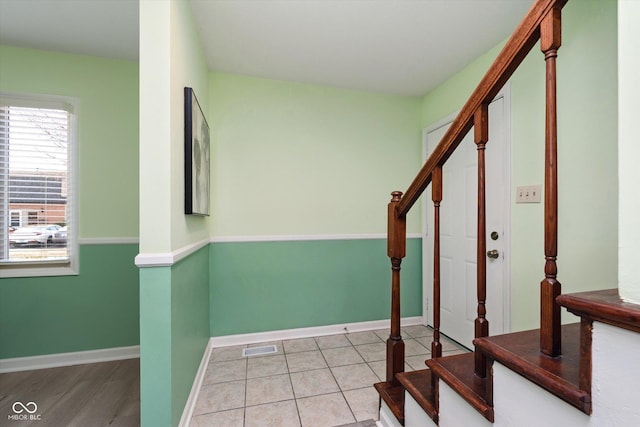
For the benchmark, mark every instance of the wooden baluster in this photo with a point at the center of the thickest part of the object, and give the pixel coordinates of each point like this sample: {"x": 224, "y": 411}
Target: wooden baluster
{"x": 550, "y": 341}
{"x": 396, "y": 250}
{"x": 436, "y": 196}
{"x": 481, "y": 136}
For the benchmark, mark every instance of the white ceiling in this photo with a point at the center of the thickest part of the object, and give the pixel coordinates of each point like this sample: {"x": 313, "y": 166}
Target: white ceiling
{"x": 403, "y": 47}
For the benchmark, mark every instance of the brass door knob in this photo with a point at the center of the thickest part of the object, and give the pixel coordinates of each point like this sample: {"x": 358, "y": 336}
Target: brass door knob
{"x": 493, "y": 254}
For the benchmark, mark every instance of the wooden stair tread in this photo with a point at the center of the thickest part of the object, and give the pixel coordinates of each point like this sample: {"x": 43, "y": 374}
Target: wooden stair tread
{"x": 605, "y": 306}
{"x": 458, "y": 372}
{"x": 421, "y": 387}
{"x": 560, "y": 375}
{"x": 393, "y": 396}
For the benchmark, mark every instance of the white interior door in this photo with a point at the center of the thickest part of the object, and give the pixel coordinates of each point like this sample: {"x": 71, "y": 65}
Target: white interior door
{"x": 458, "y": 230}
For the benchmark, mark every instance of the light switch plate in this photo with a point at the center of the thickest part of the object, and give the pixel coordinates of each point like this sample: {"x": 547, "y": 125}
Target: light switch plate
{"x": 529, "y": 194}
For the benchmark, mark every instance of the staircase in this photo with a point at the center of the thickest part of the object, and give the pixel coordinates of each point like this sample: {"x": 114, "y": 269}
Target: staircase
{"x": 559, "y": 372}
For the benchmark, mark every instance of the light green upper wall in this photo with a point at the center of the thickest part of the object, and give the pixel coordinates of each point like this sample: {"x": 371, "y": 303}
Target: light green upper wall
{"x": 171, "y": 58}
{"x": 298, "y": 159}
{"x": 451, "y": 95}
{"x": 587, "y": 133}
{"x": 155, "y": 127}
{"x": 107, "y": 93}
{"x": 188, "y": 68}
{"x": 629, "y": 153}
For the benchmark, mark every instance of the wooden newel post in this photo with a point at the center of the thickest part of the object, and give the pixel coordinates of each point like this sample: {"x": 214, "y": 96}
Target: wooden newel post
{"x": 396, "y": 250}
{"x": 481, "y": 329}
{"x": 550, "y": 341}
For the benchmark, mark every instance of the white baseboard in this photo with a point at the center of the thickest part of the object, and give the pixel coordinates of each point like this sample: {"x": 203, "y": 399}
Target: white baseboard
{"x": 68, "y": 359}
{"x": 315, "y": 331}
{"x": 189, "y": 407}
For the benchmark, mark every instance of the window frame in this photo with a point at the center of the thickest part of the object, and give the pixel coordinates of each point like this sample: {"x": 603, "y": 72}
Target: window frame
{"x": 70, "y": 266}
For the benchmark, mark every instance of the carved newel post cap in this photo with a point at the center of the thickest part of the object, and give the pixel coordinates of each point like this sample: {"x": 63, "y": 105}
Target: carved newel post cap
{"x": 396, "y": 196}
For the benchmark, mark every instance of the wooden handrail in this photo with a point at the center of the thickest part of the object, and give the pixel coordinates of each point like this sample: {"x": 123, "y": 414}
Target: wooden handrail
{"x": 513, "y": 53}
{"x": 542, "y": 22}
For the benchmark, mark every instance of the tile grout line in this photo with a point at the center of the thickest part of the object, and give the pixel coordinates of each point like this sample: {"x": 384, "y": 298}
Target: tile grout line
{"x": 336, "y": 380}
{"x": 293, "y": 391}
{"x": 342, "y": 391}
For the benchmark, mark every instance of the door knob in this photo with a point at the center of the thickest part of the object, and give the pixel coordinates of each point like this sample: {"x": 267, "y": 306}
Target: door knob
{"x": 493, "y": 254}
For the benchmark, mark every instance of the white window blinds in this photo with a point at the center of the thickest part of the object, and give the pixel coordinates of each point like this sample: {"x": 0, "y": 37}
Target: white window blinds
{"x": 36, "y": 190}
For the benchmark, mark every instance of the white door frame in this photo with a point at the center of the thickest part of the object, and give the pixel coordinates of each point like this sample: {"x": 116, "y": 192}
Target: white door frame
{"x": 427, "y": 279}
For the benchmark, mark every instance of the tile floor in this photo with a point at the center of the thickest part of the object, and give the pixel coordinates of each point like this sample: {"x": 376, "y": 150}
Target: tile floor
{"x": 310, "y": 382}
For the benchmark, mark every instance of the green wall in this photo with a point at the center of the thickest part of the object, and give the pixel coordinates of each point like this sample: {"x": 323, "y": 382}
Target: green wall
{"x": 174, "y": 308}
{"x": 98, "y": 308}
{"x": 587, "y": 133}
{"x": 267, "y": 286}
{"x": 295, "y": 160}
{"x": 174, "y": 331}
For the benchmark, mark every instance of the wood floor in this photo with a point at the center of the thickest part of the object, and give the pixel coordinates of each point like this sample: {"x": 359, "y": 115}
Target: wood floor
{"x": 97, "y": 394}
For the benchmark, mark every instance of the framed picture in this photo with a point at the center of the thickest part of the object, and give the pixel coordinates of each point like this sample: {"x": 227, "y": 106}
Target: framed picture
{"x": 197, "y": 159}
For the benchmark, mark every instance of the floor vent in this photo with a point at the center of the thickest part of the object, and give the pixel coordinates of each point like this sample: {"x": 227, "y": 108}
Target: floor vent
{"x": 259, "y": 351}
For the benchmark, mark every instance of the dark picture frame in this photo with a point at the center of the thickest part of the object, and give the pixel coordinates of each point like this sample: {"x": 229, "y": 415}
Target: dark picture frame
{"x": 197, "y": 157}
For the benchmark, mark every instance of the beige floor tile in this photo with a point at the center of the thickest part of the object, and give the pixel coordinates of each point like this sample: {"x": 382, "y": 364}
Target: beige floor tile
{"x": 417, "y": 362}
{"x": 313, "y": 383}
{"x": 327, "y": 410}
{"x": 447, "y": 344}
{"x": 268, "y": 389}
{"x": 332, "y": 341}
{"x": 372, "y": 352}
{"x": 298, "y": 345}
{"x": 227, "y": 353}
{"x": 383, "y": 334}
{"x": 305, "y": 361}
{"x": 417, "y": 331}
{"x": 279, "y": 414}
{"x": 454, "y": 352}
{"x": 354, "y": 376}
{"x": 379, "y": 367}
{"x": 340, "y": 356}
{"x": 414, "y": 348}
{"x": 266, "y": 366}
{"x": 230, "y": 370}
{"x": 220, "y": 397}
{"x": 232, "y": 418}
{"x": 363, "y": 403}
{"x": 367, "y": 337}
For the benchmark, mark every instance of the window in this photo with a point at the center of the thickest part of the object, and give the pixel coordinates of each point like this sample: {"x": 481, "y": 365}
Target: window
{"x": 37, "y": 186}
